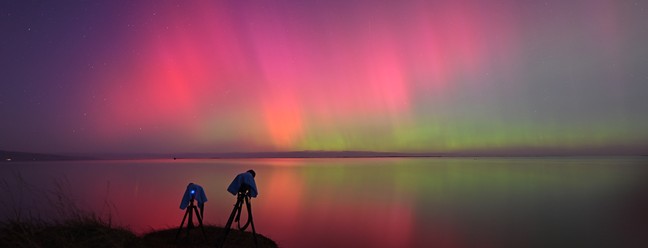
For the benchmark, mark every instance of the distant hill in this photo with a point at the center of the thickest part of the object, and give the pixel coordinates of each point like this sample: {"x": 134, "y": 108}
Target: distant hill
{"x": 10, "y": 156}
{"x": 305, "y": 154}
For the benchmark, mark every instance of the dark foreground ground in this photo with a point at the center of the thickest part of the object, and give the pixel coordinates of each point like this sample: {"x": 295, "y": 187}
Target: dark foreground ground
{"x": 97, "y": 234}
{"x": 195, "y": 238}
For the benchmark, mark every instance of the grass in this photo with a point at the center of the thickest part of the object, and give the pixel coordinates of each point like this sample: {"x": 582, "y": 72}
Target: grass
{"x": 93, "y": 232}
{"x": 81, "y": 232}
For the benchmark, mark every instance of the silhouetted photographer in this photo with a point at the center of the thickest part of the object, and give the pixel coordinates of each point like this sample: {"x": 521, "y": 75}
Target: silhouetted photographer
{"x": 244, "y": 187}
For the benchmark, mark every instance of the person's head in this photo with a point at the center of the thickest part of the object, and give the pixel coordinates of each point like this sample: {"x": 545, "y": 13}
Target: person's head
{"x": 252, "y": 172}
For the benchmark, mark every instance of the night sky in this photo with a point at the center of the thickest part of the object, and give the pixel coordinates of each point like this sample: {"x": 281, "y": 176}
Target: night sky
{"x": 403, "y": 76}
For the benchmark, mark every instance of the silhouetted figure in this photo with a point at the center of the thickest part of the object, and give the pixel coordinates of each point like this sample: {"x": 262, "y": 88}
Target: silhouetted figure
{"x": 244, "y": 187}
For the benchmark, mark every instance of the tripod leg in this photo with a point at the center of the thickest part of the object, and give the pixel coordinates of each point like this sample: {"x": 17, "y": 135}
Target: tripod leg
{"x": 190, "y": 223}
{"x": 202, "y": 209}
{"x": 181, "y": 223}
{"x": 200, "y": 223}
{"x": 228, "y": 226}
{"x": 249, "y": 207}
{"x": 237, "y": 219}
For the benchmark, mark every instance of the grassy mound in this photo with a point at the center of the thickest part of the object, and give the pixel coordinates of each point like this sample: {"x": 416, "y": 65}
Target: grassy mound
{"x": 195, "y": 238}
{"x": 86, "y": 232}
{"x": 91, "y": 232}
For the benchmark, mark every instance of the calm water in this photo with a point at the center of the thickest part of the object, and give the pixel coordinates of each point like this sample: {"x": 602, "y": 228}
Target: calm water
{"x": 399, "y": 202}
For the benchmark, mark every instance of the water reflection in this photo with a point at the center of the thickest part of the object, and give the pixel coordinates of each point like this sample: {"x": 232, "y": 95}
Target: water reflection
{"x": 424, "y": 202}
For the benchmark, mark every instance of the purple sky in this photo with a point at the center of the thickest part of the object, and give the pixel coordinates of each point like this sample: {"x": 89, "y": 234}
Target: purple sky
{"x": 403, "y": 76}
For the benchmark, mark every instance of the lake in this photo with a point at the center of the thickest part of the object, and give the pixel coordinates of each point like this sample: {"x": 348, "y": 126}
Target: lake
{"x": 361, "y": 202}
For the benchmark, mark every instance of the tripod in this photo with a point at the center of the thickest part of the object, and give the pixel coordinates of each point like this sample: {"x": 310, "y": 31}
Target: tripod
{"x": 242, "y": 195}
{"x": 191, "y": 209}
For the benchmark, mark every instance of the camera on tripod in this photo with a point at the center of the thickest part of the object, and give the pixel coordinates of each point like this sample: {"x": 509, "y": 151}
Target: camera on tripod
{"x": 243, "y": 187}
{"x": 193, "y": 193}
{"x": 244, "y": 183}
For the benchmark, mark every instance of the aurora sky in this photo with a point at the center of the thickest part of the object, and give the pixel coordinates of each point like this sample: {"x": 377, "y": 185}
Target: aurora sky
{"x": 457, "y": 76}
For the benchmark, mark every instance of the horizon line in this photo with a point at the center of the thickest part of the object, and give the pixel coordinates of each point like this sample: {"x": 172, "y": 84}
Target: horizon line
{"x": 30, "y": 156}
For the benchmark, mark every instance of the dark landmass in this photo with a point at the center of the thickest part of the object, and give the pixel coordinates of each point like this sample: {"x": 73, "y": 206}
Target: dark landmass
{"x": 306, "y": 154}
{"x": 93, "y": 233}
{"x": 10, "y": 156}
{"x": 195, "y": 238}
